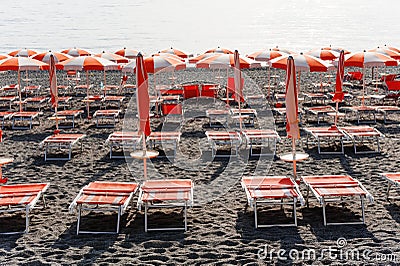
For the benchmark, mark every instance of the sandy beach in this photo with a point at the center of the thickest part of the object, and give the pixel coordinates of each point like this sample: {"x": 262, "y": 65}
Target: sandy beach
{"x": 220, "y": 227}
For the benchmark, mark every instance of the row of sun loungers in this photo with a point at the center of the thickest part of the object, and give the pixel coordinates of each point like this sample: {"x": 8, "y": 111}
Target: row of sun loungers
{"x": 178, "y": 193}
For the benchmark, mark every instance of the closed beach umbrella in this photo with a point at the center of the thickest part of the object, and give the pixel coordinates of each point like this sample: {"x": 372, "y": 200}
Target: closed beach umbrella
{"x": 21, "y": 64}
{"x": 75, "y": 52}
{"x": 45, "y": 57}
{"x": 23, "y": 52}
{"x": 339, "y": 95}
{"x": 142, "y": 96}
{"x": 128, "y": 53}
{"x": 113, "y": 57}
{"x": 238, "y": 84}
{"x": 219, "y": 50}
{"x": 292, "y": 106}
{"x": 53, "y": 87}
{"x": 177, "y": 52}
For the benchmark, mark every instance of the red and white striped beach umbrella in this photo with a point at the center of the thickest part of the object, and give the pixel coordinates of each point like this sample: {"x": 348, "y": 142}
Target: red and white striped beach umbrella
{"x": 368, "y": 59}
{"x": 266, "y": 55}
{"x": 238, "y": 84}
{"x": 336, "y": 49}
{"x": 156, "y": 64}
{"x": 328, "y": 55}
{"x": 303, "y": 62}
{"x": 4, "y": 56}
{"x": 45, "y": 57}
{"x": 193, "y": 60}
{"x": 226, "y": 61}
{"x": 87, "y": 63}
{"x": 283, "y": 50}
{"x": 23, "y": 52}
{"x": 219, "y": 50}
{"x": 128, "y": 53}
{"x": 75, "y": 52}
{"x": 392, "y": 48}
{"x": 21, "y": 64}
{"x": 177, "y": 52}
{"x": 169, "y": 55}
{"x": 387, "y": 52}
{"x": 113, "y": 57}
{"x": 53, "y": 82}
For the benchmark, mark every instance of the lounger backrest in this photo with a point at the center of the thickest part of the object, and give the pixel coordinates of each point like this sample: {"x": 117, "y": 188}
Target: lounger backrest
{"x": 393, "y": 85}
{"x": 191, "y": 91}
{"x": 207, "y": 90}
{"x": 171, "y": 108}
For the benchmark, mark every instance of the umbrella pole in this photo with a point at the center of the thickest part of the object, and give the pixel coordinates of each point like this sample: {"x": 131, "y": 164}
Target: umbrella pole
{"x": 269, "y": 83}
{"x": 105, "y": 90}
{"x": 19, "y": 91}
{"x": 55, "y": 110}
{"x": 144, "y": 156}
{"x": 363, "y": 90}
{"x": 337, "y": 111}
{"x": 87, "y": 94}
{"x": 227, "y": 89}
{"x": 294, "y": 158}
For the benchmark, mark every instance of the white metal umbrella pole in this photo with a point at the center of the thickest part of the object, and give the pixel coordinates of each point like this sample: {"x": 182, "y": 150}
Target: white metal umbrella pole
{"x": 294, "y": 158}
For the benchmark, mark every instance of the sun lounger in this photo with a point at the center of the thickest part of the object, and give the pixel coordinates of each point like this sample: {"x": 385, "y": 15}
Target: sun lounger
{"x": 64, "y": 101}
{"x": 262, "y": 139}
{"x": 315, "y": 97}
{"x": 169, "y": 193}
{"x": 113, "y": 100}
{"x": 271, "y": 190}
{"x": 70, "y": 115}
{"x": 21, "y": 197}
{"x": 326, "y": 135}
{"x": 248, "y": 116}
{"x": 82, "y": 89}
{"x": 256, "y": 100}
{"x": 361, "y": 134}
{"x": 319, "y": 111}
{"x": 33, "y": 89}
{"x": 7, "y": 101}
{"x": 106, "y": 118}
{"x": 164, "y": 138}
{"x": 363, "y": 113}
{"x": 129, "y": 88}
{"x": 216, "y": 118}
{"x": 19, "y": 119}
{"x": 11, "y": 89}
{"x": 220, "y": 139}
{"x": 122, "y": 140}
{"x": 387, "y": 110}
{"x": 5, "y": 116}
{"x": 103, "y": 197}
{"x": 62, "y": 142}
{"x": 35, "y": 102}
{"x": 393, "y": 180}
{"x": 336, "y": 188}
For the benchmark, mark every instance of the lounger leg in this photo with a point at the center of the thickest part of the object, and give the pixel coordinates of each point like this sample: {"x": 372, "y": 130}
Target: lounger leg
{"x": 294, "y": 211}
{"x": 362, "y": 209}
{"x": 26, "y": 219}
{"x": 324, "y": 211}
{"x": 79, "y": 219}
{"x": 255, "y": 214}
{"x": 185, "y": 215}
{"x": 145, "y": 217}
{"x": 119, "y": 217}
{"x": 387, "y": 192}
{"x": 307, "y": 195}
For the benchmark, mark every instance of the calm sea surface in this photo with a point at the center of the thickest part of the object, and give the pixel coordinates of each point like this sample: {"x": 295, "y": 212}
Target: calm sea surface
{"x": 195, "y": 26}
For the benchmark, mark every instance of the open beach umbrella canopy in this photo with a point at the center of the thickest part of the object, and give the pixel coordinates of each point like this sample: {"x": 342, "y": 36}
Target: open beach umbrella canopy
{"x": 219, "y": 50}
{"x": 169, "y": 55}
{"x": 391, "y": 48}
{"x": 266, "y": 55}
{"x": 386, "y": 51}
{"x": 127, "y": 52}
{"x": 177, "y": 52}
{"x": 283, "y": 50}
{"x": 75, "y": 52}
{"x": 336, "y": 49}
{"x": 156, "y": 64}
{"x": 87, "y": 63}
{"x": 4, "y": 56}
{"x": 45, "y": 57}
{"x": 328, "y": 55}
{"x": 226, "y": 61}
{"x": 113, "y": 57}
{"x": 368, "y": 59}
{"x": 21, "y": 64}
{"x": 23, "y": 52}
{"x": 303, "y": 62}
{"x": 193, "y": 60}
